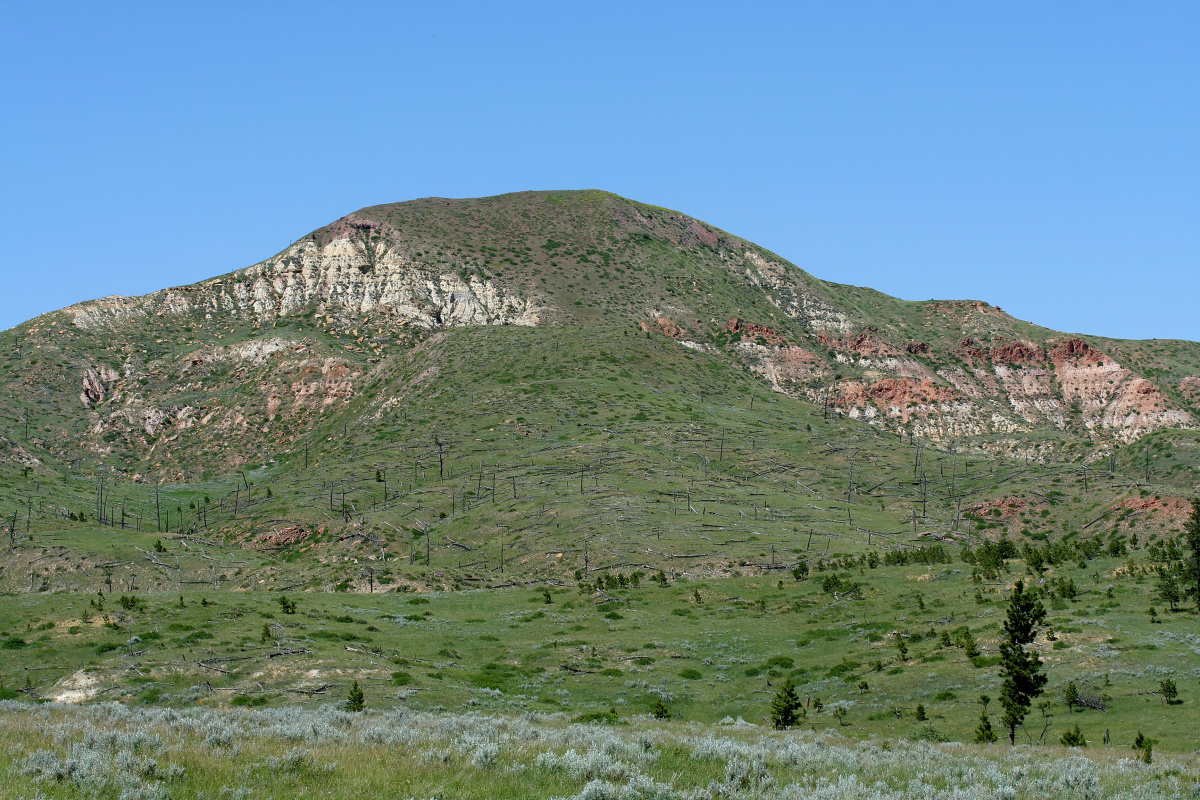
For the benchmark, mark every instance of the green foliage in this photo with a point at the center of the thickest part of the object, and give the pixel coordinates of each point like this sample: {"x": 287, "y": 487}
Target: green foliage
{"x": 1070, "y": 695}
{"x": 659, "y": 709}
{"x": 1144, "y": 746}
{"x": 983, "y": 732}
{"x": 785, "y": 706}
{"x": 132, "y": 603}
{"x": 1168, "y": 586}
{"x": 1073, "y": 738}
{"x": 1020, "y": 669}
{"x": 1191, "y": 567}
{"x": 601, "y": 717}
{"x": 355, "y": 700}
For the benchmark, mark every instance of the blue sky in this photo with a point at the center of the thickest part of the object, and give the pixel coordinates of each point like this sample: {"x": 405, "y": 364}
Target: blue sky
{"x": 1040, "y": 156}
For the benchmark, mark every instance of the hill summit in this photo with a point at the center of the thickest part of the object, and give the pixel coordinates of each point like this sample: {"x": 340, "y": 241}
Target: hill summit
{"x": 381, "y": 280}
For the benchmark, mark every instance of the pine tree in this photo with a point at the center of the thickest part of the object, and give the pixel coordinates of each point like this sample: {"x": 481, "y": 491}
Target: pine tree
{"x": 984, "y": 733}
{"x": 1073, "y": 738}
{"x": 659, "y": 709}
{"x": 1145, "y": 745}
{"x": 1020, "y": 669}
{"x": 1071, "y": 695}
{"x": 355, "y": 701}
{"x": 784, "y": 705}
{"x": 1191, "y": 566}
{"x": 1167, "y": 586}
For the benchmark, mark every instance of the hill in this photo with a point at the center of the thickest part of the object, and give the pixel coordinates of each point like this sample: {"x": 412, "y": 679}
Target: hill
{"x": 682, "y": 467}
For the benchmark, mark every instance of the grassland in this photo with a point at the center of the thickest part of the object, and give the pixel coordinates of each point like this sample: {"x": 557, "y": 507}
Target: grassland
{"x": 710, "y": 649}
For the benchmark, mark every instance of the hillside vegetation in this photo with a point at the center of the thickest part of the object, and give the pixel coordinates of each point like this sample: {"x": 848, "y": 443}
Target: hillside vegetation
{"x": 569, "y": 461}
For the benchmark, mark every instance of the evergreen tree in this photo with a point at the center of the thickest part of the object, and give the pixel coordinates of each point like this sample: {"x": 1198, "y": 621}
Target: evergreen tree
{"x": 984, "y": 733}
{"x": 355, "y": 701}
{"x": 659, "y": 709}
{"x": 1073, "y": 738}
{"x": 1191, "y": 566}
{"x": 1020, "y": 670}
{"x": 784, "y": 706}
{"x": 1145, "y": 745}
{"x": 1167, "y": 586}
{"x": 1071, "y": 695}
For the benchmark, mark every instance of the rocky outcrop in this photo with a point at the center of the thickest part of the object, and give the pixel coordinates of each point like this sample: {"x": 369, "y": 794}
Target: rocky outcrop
{"x": 866, "y": 343}
{"x": 1008, "y": 386}
{"x": 323, "y": 383}
{"x": 783, "y": 287}
{"x": 1017, "y": 353}
{"x": 788, "y": 369}
{"x": 95, "y": 382}
{"x": 750, "y": 331}
{"x": 340, "y": 279}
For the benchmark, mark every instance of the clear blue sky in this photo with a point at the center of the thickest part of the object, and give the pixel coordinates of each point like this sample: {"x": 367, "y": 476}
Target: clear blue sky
{"x": 1044, "y": 157}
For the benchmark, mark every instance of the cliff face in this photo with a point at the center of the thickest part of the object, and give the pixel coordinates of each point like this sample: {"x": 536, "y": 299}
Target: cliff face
{"x": 1065, "y": 386}
{"x": 247, "y": 361}
{"x": 337, "y": 280}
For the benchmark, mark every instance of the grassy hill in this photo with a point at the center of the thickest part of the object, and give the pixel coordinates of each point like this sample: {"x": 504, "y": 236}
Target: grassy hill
{"x": 568, "y": 455}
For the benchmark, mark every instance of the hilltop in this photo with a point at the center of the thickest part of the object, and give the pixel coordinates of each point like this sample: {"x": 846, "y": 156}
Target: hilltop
{"x": 308, "y": 329}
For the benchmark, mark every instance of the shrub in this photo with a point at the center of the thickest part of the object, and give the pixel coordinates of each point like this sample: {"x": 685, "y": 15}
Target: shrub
{"x": 1073, "y": 738}
{"x": 602, "y": 717}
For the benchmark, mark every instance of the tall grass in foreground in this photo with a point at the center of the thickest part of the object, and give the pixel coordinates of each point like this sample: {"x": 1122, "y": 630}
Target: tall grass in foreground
{"x": 113, "y": 751}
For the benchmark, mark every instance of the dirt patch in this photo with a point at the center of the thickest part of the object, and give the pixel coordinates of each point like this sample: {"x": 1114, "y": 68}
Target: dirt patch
{"x": 753, "y": 331}
{"x": 293, "y": 534}
{"x": 78, "y": 687}
{"x": 664, "y": 325}
{"x": 1166, "y": 509}
{"x": 1007, "y": 506}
